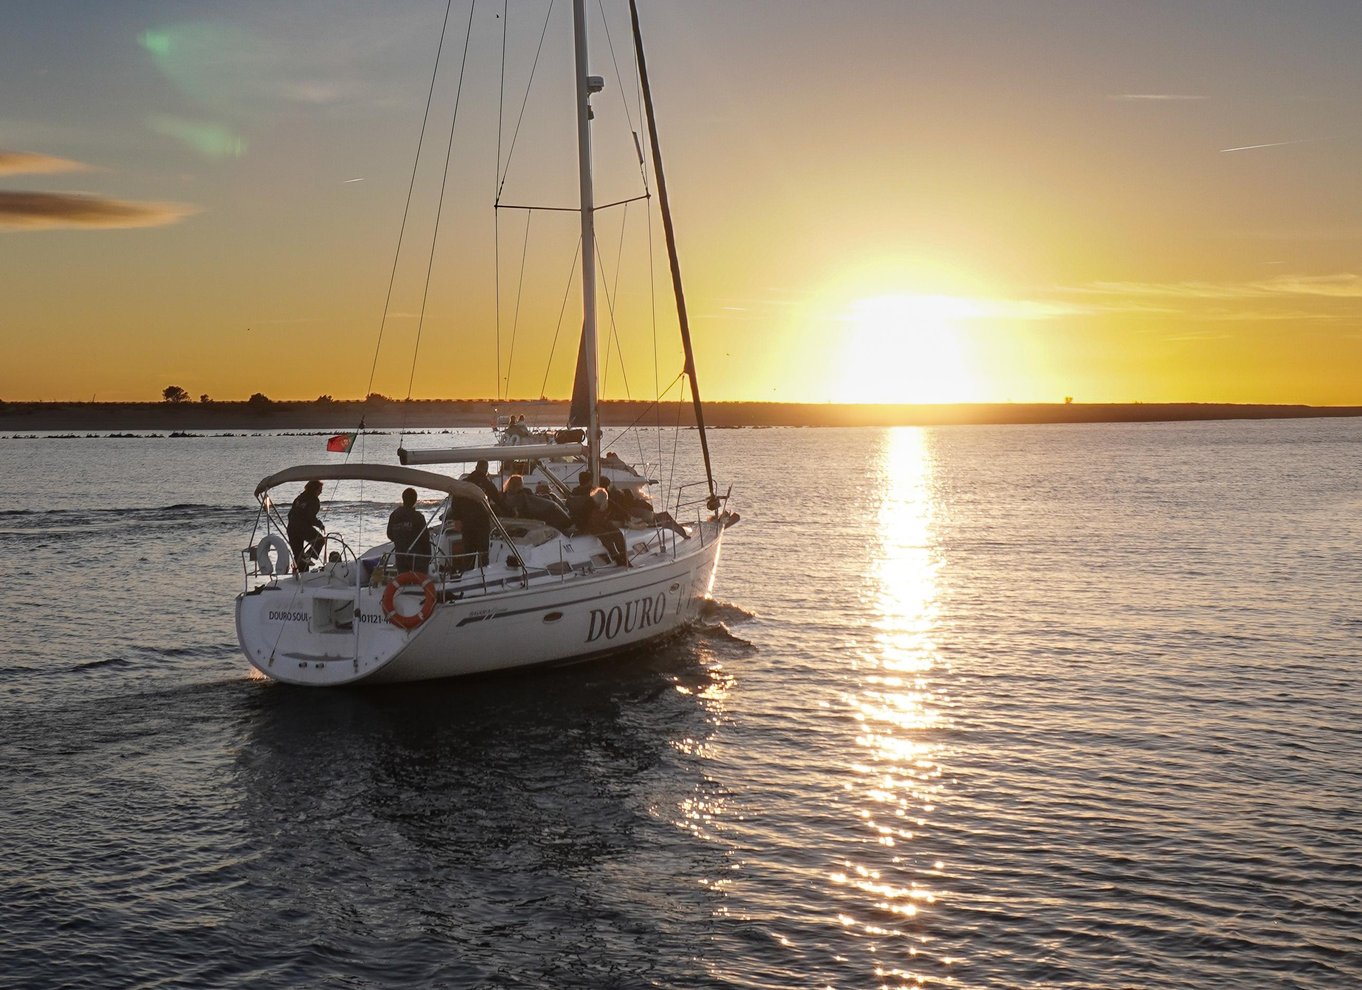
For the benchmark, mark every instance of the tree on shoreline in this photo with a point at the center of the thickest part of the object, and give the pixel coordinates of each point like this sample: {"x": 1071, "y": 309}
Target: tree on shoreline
{"x": 174, "y": 394}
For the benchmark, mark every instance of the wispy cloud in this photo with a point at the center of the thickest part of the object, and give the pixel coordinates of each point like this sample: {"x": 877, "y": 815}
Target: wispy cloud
{"x": 1332, "y": 232}
{"x": 1285, "y": 298}
{"x": 1026, "y": 309}
{"x": 33, "y": 163}
{"x": 48, "y": 211}
{"x": 1340, "y": 286}
{"x": 1343, "y": 285}
{"x": 1159, "y": 97}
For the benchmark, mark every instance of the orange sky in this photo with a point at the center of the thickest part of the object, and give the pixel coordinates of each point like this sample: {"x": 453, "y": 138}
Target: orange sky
{"x": 917, "y": 201}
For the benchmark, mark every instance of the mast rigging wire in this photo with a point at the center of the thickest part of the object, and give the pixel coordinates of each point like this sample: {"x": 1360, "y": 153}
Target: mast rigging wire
{"x": 610, "y": 312}
{"x": 675, "y": 263}
{"x": 439, "y": 210}
{"x": 529, "y": 84}
{"x": 629, "y": 117}
{"x": 406, "y": 210}
{"x": 519, "y": 295}
{"x": 504, "y": 171}
{"x": 496, "y": 215}
{"x": 609, "y": 286}
{"x": 575, "y": 209}
{"x": 562, "y": 309}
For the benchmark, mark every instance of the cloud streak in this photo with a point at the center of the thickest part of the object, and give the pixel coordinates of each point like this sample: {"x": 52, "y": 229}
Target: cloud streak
{"x": 32, "y": 163}
{"x": 49, "y": 211}
{"x": 1159, "y": 97}
{"x": 1290, "y": 298}
{"x": 1343, "y": 285}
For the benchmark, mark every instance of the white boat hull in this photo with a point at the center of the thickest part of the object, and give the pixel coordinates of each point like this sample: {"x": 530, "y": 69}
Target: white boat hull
{"x": 320, "y": 629}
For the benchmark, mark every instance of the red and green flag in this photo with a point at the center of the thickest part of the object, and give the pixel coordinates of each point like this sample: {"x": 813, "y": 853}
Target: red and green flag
{"x": 341, "y": 443}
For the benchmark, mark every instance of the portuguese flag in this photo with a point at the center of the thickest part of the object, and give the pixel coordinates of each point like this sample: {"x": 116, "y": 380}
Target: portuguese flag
{"x": 341, "y": 443}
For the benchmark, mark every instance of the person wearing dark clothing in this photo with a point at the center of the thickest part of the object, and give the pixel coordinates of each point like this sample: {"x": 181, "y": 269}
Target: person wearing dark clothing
{"x": 305, "y": 532}
{"x": 475, "y": 527}
{"x": 627, "y": 506}
{"x": 614, "y": 461}
{"x": 518, "y": 503}
{"x": 579, "y": 503}
{"x": 600, "y": 525}
{"x": 618, "y": 508}
{"x": 579, "y": 511}
{"x": 544, "y": 491}
{"x": 410, "y": 534}
{"x": 511, "y": 493}
{"x": 479, "y": 477}
{"x": 546, "y": 510}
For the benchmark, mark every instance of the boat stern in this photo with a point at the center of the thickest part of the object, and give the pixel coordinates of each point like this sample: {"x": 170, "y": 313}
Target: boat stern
{"x": 306, "y": 629}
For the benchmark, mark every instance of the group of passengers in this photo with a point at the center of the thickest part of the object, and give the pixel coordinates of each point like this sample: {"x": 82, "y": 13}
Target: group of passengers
{"x": 598, "y": 510}
{"x": 601, "y": 509}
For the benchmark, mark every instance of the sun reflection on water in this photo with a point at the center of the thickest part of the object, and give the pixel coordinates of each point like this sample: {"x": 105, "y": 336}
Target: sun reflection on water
{"x": 896, "y": 775}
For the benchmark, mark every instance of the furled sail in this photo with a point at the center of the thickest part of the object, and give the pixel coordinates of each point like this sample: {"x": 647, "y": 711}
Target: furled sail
{"x": 579, "y": 413}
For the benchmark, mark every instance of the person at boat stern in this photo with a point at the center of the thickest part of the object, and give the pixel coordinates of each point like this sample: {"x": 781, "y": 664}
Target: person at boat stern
{"x": 410, "y": 534}
{"x": 305, "y": 533}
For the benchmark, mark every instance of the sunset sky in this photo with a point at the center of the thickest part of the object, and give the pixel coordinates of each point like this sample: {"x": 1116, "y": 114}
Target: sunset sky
{"x": 907, "y": 201}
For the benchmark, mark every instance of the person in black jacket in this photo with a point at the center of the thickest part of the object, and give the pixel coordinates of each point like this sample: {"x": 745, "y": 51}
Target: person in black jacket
{"x": 471, "y": 521}
{"x": 600, "y": 524}
{"x": 479, "y": 477}
{"x": 410, "y": 535}
{"x": 305, "y": 532}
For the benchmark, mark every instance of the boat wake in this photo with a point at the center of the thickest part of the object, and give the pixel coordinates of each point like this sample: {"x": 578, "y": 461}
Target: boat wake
{"x": 725, "y": 612}
{"x": 49, "y": 522}
{"x": 716, "y": 621}
{"x": 106, "y": 662}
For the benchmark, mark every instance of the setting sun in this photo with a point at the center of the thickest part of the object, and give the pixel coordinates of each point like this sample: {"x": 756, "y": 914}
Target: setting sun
{"x": 909, "y": 349}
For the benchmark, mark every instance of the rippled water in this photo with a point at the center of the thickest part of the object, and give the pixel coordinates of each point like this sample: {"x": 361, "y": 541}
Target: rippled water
{"x": 977, "y": 707}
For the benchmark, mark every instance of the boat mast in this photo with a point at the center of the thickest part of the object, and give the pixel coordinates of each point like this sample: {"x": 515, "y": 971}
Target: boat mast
{"x": 586, "y": 86}
{"x": 672, "y": 257}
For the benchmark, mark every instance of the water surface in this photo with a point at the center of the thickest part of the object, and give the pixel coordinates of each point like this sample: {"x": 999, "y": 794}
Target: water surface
{"x": 976, "y": 707}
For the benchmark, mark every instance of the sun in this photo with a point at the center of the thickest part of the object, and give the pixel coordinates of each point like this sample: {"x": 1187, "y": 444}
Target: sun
{"x": 908, "y": 349}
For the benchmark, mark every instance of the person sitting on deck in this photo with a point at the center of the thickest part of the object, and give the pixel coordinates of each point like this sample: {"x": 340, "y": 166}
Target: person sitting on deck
{"x": 615, "y": 462}
{"x": 579, "y": 502}
{"x": 544, "y": 491}
{"x": 517, "y": 502}
{"x": 600, "y": 525}
{"x": 629, "y": 506}
{"x": 410, "y": 534}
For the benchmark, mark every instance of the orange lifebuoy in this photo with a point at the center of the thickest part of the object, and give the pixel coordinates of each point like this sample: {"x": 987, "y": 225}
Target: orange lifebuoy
{"x": 390, "y": 600}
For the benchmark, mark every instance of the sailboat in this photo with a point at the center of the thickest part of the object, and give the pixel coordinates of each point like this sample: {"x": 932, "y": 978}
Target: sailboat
{"x": 496, "y": 593}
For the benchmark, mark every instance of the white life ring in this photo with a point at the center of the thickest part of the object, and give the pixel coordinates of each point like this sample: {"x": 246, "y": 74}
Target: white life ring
{"x": 281, "y": 553}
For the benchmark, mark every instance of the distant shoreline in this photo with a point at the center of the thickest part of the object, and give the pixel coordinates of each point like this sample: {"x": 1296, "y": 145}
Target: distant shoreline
{"x": 166, "y": 417}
